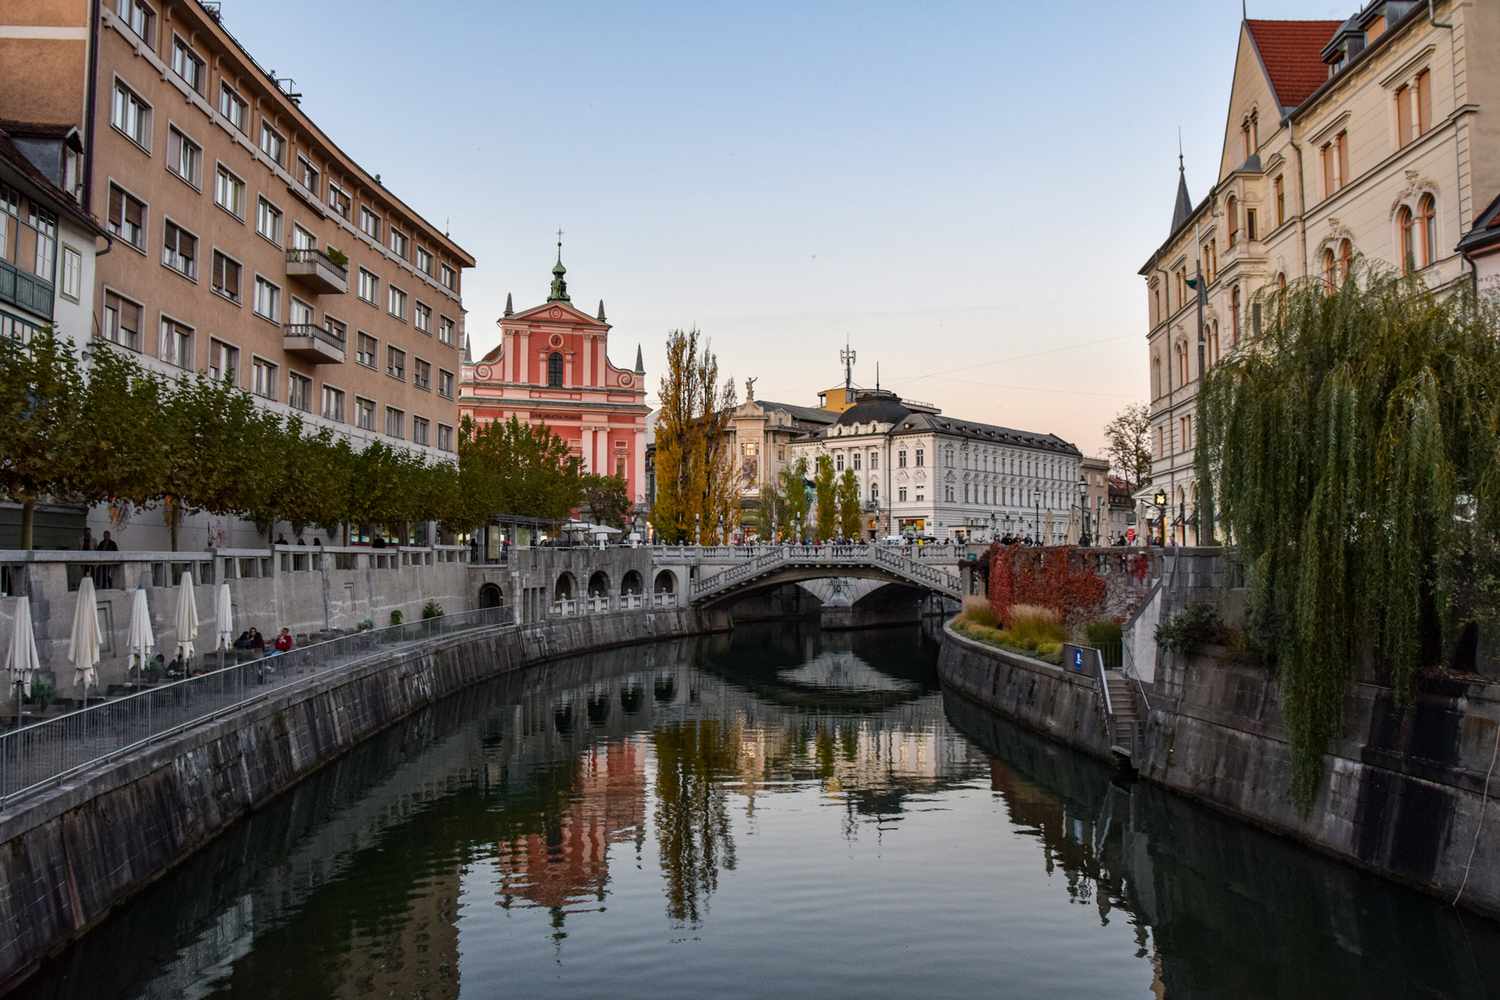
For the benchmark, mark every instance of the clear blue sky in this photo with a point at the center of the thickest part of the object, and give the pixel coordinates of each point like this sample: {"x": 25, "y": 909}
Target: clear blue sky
{"x": 965, "y": 190}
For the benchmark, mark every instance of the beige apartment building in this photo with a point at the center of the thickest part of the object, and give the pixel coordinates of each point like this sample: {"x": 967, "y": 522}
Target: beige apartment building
{"x": 1377, "y": 137}
{"x": 245, "y": 243}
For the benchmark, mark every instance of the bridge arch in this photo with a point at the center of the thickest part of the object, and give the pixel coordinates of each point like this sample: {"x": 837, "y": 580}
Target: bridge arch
{"x": 631, "y": 584}
{"x": 491, "y": 596}
{"x": 599, "y": 584}
{"x": 666, "y": 582}
{"x": 566, "y": 587}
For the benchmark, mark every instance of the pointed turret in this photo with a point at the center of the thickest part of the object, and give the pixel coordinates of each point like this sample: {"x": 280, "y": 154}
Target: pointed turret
{"x": 559, "y": 292}
{"x": 640, "y": 364}
{"x": 1184, "y": 206}
{"x": 468, "y": 351}
{"x": 510, "y": 310}
{"x": 601, "y": 312}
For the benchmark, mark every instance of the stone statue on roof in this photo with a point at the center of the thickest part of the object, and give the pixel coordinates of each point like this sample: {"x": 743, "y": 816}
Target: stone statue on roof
{"x": 750, "y": 388}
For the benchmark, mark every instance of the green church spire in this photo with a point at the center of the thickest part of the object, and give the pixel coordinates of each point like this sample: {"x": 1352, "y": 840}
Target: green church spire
{"x": 559, "y": 292}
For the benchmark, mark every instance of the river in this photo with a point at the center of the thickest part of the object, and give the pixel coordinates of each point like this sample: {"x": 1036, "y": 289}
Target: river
{"x": 778, "y": 812}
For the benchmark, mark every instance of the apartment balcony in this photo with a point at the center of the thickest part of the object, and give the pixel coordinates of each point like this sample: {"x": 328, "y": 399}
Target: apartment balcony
{"x": 315, "y": 270}
{"x": 313, "y": 344}
{"x": 25, "y": 290}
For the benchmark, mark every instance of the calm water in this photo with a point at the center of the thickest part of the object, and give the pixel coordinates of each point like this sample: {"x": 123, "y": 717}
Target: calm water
{"x": 780, "y": 813}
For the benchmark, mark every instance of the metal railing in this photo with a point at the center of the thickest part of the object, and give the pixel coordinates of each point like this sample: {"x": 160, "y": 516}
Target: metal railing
{"x": 312, "y": 255}
{"x": 313, "y": 331}
{"x": 37, "y": 755}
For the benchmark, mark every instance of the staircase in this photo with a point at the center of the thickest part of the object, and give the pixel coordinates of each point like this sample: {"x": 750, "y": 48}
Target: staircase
{"x": 1126, "y": 724}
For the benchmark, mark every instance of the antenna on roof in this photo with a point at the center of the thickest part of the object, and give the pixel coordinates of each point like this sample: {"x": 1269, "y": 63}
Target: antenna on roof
{"x": 284, "y": 84}
{"x": 847, "y": 357}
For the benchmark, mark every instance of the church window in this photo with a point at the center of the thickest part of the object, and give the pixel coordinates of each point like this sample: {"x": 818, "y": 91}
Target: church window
{"x": 555, "y": 370}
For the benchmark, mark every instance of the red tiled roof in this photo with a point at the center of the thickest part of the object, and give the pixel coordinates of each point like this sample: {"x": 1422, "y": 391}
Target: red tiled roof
{"x": 1292, "y": 52}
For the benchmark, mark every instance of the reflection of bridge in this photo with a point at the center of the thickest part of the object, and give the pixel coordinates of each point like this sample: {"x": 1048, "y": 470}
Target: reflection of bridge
{"x": 778, "y": 564}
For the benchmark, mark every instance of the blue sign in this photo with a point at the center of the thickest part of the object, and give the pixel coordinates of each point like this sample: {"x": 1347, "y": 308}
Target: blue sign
{"x": 1077, "y": 660}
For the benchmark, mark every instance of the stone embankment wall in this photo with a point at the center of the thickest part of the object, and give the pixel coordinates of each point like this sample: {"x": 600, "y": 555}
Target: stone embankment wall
{"x": 1403, "y": 793}
{"x": 75, "y": 851}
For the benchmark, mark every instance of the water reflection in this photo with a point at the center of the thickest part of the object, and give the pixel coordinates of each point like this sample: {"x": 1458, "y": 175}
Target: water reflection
{"x": 778, "y": 812}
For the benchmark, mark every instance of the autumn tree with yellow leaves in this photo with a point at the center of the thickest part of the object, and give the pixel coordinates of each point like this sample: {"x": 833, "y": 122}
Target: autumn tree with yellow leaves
{"x": 697, "y": 485}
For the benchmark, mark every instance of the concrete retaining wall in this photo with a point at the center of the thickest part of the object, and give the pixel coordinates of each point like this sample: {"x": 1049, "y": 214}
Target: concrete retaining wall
{"x": 1053, "y": 701}
{"x": 76, "y": 851}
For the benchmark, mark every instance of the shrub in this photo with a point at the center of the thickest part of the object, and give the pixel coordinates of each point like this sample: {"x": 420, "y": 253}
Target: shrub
{"x": 978, "y": 611}
{"x": 432, "y": 609}
{"x": 1103, "y": 633}
{"x": 1190, "y": 629}
{"x": 1049, "y": 651}
{"x": 1030, "y": 624}
{"x": 42, "y": 693}
{"x": 365, "y": 625}
{"x": 397, "y": 617}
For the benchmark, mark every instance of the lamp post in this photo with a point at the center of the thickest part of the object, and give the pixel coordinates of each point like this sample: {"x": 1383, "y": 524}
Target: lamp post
{"x": 698, "y": 529}
{"x": 1083, "y": 511}
{"x": 1036, "y": 496}
{"x": 1159, "y": 501}
{"x": 993, "y": 522}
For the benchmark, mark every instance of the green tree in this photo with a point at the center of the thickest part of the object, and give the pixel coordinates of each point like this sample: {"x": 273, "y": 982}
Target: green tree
{"x": 827, "y": 496}
{"x": 793, "y": 490}
{"x": 1128, "y": 444}
{"x": 697, "y": 484}
{"x": 1353, "y": 452}
{"x": 43, "y": 439}
{"x": 849, "y": 510}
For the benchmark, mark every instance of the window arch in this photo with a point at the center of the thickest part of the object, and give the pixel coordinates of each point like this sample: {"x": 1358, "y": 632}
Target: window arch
{"x": 1234, "y": 317}
{"x": 1182, "y": 364}
{"x": 555, "y": 370}
{"x": 1232, "y": 211}
{"x": 1404, "y": 236}
{"x": 1427, "y": 216}
{"x": 1155, "y": 376}
{"x": 1330, "y": 268}
{"x": 1213, "y": 344}
{"x": 1346, "y": 259}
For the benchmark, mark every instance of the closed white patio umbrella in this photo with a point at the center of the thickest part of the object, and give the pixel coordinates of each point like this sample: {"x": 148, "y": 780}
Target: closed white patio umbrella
{"x": 84, "y": 642}
{"x": 140, "y": 640}
{"x": 187, "y": 618}
{"x": 223, "y": 621}
{"x": 21, "y": 661}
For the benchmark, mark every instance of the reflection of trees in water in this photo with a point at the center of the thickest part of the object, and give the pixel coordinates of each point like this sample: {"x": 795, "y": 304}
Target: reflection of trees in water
{"x": 692, "y": 811}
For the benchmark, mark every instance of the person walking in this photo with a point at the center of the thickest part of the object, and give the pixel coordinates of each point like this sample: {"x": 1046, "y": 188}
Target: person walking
{"x": 106, "y": 571}
{"x": 284, "y": 642}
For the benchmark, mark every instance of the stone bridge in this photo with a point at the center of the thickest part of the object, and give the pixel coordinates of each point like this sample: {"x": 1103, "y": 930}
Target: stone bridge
{"x": 763, "y": 567}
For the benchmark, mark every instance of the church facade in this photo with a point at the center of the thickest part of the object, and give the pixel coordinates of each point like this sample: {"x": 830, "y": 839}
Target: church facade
{"x": 552, "y": 367}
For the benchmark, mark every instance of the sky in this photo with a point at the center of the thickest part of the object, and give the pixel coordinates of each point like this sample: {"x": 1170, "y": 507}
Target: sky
{"x": 963, "y": 191}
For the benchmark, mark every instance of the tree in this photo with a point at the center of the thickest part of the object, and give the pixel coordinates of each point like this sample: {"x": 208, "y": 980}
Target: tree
{"x": 606, "y": 499}
{"x": 793, "y": 490}
{"x": 1353, "y": 451}
{"x": 697, "y": 483}
{"x": 827, "y": 494}
{"x": 1128, "y": 444}
{"x": 42, "y": 434}
{"x": 848, "y": 500}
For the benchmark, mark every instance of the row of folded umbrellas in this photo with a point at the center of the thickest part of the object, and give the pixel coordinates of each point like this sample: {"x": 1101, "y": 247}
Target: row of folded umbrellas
{"x": 85, "y": 641}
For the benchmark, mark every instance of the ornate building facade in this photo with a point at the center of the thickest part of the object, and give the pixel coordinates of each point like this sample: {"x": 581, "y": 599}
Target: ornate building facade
{"x": 1369, "y": 138}
{"x": 552, "y": 367}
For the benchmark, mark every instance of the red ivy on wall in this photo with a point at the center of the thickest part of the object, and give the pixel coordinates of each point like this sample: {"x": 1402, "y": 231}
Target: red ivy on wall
{"x": 1059, "y": 578}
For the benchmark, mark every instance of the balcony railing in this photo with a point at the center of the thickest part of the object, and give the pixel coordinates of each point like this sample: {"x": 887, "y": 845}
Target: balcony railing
{"x": 313, "y": 343}
{"x": 25, "y": 290}
{"x": 317, "y": 271}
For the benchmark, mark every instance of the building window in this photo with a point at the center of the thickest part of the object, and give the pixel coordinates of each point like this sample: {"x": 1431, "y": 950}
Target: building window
{"x": 398, "y": 242}
{"x": 874, "y": 461}
{"x": 422, "y": 318}
{"x": 299, "y": 392}
{"x": 445, "y": 384}
{"x": 395, "y": 363}
{"x": 272, "y": 143}
{"x": 1250, "y": 224}
{"x": 263, "y": 381}
{"x": 419, "y": 430}
{"x": 186, "y": 64}
{"x": 127, "y": 217}
{"x": 223, "y": 361}
{"x": 445, "y": 438}
{"x": 339, "y": 201}
{"x": 1424, "y": 102}
{"x": 1330, "y": 269}
{"x": 1280, "y": 186}
{"x": 302, "y": 239}
{"x": 854, "y": 460}
{"x": 176, "y": 345}
{"x": 368, "y": 284}
{"x": 838, "y": 462}
{"x": 424, "y": 261}
{"x": 901, "y": 494}
{"x": 184, "y": 157}
{"x": 364, "y": 413}
{"x": 1232, "y": 215}
{"x": 333, "y": 404}
{"x": 396, "y": 304}
{"x": 337, "y": 330}
{"x": 1346, "y": 259}
{"x": 555, "y": 370}
{"x": 395, "y": 422}
{"x": 229, "y": 192}
{"x": 1403, "y": 115}
{"x": 369, "y": 223}
{"x": 366, "y": 350}
{"x": 268, "y": 220}
{"x": 299, "y": 313}
{"x": 1234, "y": 317}
{"x": 1427, "y": 216}
{"x": 1341, "y": 150}
{"x": 901, "y": 459}
{"x": 233, "y": 107}
{"x": 140, "y": 18}
{"x": 226, "y": 276}
{"x": 450, "y": 278}
{"x": 307, "y": 174}
{"x": 267, "y": 300}
{"x": 421, "y": 375}
{"x": 179, "y": 250}
{"x": 874, "y": 492}
{"x": 920, "y": 454}
{"x": 445, "y": 330}
{"x": 72, "y": 273}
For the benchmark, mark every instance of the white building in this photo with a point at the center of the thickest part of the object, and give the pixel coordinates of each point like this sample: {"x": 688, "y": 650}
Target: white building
{"x": 924, "y": 474}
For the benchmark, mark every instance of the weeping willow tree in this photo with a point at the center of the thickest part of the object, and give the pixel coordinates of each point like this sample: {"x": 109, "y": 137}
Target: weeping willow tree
{"x": 1351, "y": 453}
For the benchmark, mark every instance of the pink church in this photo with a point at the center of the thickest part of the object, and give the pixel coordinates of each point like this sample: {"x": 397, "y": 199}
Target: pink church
{"x": 552, "y": 367}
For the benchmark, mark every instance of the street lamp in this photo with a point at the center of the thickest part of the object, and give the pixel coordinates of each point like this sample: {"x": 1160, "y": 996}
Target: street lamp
{"x": 1036, "y": 496}
{"x": 1159, "y": 501}
{"x": 992, "y": 526}
{"x": 1083, "y": 511}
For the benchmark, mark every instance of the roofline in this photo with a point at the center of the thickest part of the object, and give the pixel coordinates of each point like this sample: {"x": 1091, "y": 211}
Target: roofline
{"x": 1390, "y": 32}
{"x": 54, "y": 195}
{"x": 216, "y": 27}
{"x": 1192, "y": 217}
